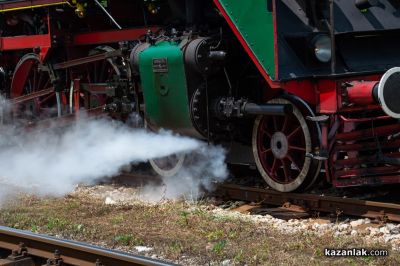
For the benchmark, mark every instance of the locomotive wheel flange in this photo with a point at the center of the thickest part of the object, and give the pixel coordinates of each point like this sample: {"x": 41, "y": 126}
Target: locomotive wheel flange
{"x": 281, "y": 145}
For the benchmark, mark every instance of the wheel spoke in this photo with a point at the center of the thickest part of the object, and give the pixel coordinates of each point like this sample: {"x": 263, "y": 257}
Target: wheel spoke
{"x": 35, "y": 81}
{"x": 294, "y": 162}
{"x": 291, "y": 147}
{"x": 275, "y": 123}
{"x": 46, "y": 84}
{"x": 266, "y": 151}
{"x": 294, "y": 132}
{"x": 274, "y": 166}
{"x": 285, "y": 122}
{"x": 264, "y": 131}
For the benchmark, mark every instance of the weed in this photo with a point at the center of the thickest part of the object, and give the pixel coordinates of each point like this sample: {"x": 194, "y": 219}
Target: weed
{"x": 56, "y": 224}
{"x": 124, "y": 239}
{"x": 218, "y": 247}
{"x": 216, "y": 235}
{"x": 128, "y": 240}
{"x": 71, "y": 205}
{"x": 239, "y": 257}
{"x": 118, "y": 219}
{"x": 34, "y": 228}
{"x": 184, "y": 218}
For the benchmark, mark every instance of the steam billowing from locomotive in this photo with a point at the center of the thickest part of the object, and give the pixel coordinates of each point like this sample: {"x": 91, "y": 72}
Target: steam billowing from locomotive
{"x": 53, "y": 161}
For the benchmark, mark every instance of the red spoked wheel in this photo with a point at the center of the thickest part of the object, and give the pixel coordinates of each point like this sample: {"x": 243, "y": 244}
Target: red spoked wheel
{"x": 281, "y": 145}
{"x": 32, "y": 81}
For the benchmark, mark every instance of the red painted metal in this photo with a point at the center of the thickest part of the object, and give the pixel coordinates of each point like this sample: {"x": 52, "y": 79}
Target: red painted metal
{"x": 366, "y": 146}
{"x": 359, "y": 120}
{"x": 361, "y": 92}
{"x": 328, "y": 96}
{"x": 369, "y": 133}
{"x": 353, "y": 109}
{"x": 25, "y": 42}
{"x": 351, "y": 162}
{"x": 276, "y": 48}
{"x": 368, "y": 171}
{"x": 28, "y": 3}
{"x": 362, "y": 181}
{"x": 304, "y": 89}
{"x": 271, "y": 83}
{"x": 20, "y": 77}
{"x": 111, "y": 36}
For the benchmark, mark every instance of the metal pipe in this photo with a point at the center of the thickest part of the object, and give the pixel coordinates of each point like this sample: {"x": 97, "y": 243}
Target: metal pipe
{"x": 267, "y": 109}
{"x": 332, "y": 33}
{"x": 363, "y": 92}
{"x": 58, "y": 97}
{"x": 108, "y": 14}
{"x": 71, "y": 97}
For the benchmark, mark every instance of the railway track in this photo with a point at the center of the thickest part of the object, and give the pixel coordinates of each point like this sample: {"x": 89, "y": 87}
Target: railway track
{"x": 293, "y": 204}
{"x": 306, "y": 203}
{"x": 22, "y": 248}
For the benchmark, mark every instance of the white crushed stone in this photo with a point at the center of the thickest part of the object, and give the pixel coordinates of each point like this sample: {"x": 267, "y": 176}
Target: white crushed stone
{"x": 143, "y": 249}
{"x": 364, "y": 228}
{"x": 110, "y": 201}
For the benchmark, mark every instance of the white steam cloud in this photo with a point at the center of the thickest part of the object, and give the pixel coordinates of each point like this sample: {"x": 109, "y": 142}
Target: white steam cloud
{"x": 51, "y": 162}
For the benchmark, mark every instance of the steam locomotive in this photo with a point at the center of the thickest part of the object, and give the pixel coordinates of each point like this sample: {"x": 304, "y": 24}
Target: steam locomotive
{"x": 290, "y": 87}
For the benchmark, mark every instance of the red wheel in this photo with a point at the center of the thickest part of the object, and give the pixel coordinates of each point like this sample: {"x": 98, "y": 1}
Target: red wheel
{"x": 280, "y": 146}
{"x": 30, "y": 77}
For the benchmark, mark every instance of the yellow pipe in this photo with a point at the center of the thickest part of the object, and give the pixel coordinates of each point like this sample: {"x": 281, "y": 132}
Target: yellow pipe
{"x": 32, "y": 7}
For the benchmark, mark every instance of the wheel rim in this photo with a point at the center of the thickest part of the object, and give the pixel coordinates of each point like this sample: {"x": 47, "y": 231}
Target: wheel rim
{"x": 280, "y": 146}
{"x": 28, "y": 78}
{"x": 168, "y": 166}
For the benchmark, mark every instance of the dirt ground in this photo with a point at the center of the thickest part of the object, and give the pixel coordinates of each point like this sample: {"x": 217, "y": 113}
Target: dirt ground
{"x": 195, "y": 233}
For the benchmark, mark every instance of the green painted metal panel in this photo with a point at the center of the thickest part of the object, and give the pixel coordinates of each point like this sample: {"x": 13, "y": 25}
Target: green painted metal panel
{"x": 163, "y": 79}
{"x": 256, "y": 25}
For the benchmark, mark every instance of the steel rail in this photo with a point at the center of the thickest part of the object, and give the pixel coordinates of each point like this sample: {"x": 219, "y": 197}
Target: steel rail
{"x": 67, "y": 252}
{"x": 311, "y": 202}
